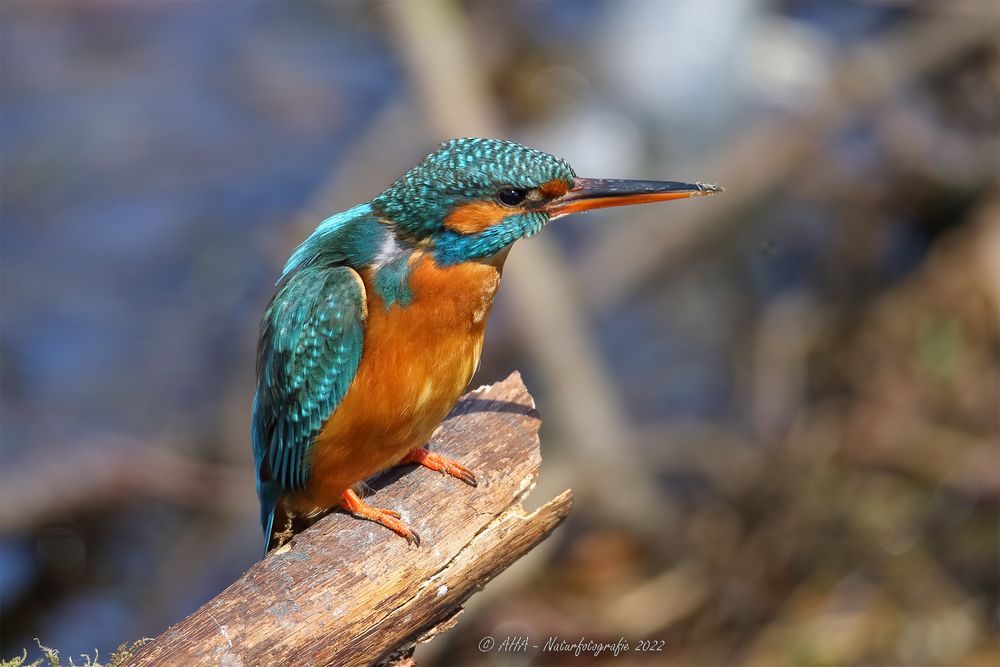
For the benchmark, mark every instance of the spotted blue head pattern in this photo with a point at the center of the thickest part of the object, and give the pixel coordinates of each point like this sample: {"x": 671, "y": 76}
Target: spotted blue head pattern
{"x": 463, "y": 171}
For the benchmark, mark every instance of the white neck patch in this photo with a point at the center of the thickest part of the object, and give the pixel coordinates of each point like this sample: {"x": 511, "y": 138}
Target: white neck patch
{"x": 388, "y": 250}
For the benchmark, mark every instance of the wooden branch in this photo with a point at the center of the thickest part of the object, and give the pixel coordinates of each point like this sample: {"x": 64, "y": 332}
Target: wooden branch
{"x": 349, "y": 592}
{"x": 111, "y": 472}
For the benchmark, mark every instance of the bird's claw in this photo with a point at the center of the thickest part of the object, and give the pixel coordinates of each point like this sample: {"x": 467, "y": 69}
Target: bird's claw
{"x": 444, "y": 465}
{"x": 391, "y": 519}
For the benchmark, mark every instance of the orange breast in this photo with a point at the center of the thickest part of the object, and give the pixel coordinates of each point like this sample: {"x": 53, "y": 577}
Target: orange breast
{"x": 417, "y": 360}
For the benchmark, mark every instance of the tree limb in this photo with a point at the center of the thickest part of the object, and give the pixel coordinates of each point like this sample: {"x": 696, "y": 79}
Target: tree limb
{"x": 347, "y": 592}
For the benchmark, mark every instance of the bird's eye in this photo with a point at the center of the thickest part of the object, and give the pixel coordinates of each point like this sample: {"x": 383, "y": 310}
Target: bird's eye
{"x": 511, "y": 196}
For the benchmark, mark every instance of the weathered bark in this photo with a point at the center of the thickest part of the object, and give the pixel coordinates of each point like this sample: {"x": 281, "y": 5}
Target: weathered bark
{"x": 349, "y": 592}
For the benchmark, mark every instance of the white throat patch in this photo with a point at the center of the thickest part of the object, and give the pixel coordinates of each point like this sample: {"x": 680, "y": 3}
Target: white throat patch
{"x": 387, "y": 251}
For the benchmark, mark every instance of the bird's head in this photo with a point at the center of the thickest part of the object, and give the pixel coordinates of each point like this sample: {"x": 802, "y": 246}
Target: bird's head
{"x": 472, "y": 198}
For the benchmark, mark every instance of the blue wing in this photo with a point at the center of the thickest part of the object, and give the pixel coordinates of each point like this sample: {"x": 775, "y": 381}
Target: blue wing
{"x": 310, "y": 346}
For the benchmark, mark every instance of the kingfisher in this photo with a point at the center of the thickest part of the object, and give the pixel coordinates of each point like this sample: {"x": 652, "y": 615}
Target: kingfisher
{"x": 376, "y": 326}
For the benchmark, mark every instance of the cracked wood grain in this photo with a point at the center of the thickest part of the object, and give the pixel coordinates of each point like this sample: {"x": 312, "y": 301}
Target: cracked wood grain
{"x": 349, "y": 592}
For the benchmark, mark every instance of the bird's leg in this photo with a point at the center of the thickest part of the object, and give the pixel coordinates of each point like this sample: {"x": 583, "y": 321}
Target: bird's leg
{"x": 442, "y": 464}
{"x": 352, "y": 503}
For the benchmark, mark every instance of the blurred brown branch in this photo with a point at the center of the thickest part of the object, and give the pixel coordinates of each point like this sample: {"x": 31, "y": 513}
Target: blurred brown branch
{"x": 767, "y": 156}
{"x": 92, "y": 477}
{"x": 580, "y": 397}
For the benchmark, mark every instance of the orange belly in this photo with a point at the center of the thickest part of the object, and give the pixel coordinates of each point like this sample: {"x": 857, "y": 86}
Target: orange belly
{"x": 416, "y": 362}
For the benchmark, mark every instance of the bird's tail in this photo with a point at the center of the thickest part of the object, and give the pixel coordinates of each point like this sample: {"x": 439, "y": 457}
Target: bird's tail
{"x": 268, "y": 495}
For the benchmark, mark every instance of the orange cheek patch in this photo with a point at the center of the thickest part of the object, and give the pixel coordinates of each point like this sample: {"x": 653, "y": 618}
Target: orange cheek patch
{"x": 553, "y": 188}
{"x": 475, "y": 217}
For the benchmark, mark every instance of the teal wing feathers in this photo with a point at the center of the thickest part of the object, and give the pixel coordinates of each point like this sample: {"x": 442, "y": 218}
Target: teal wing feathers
{"x": 310, "y": 347}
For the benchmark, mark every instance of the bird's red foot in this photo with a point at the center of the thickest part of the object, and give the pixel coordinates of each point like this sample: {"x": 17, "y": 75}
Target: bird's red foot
{"x": 440, "y": 463}
{"x": 352, "y": 503}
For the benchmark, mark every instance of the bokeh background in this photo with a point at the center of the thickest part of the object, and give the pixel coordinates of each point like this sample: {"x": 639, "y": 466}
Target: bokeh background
{"x": 778, "y": 407}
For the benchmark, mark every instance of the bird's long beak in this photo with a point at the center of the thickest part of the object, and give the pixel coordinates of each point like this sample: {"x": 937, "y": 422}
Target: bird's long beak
{"x": 591, "y": 193}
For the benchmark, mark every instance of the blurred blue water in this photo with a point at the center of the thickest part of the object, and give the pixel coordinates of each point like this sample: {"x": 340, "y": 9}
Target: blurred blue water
{"x": 145, "y": 148}
{"x": 150, "y": 151}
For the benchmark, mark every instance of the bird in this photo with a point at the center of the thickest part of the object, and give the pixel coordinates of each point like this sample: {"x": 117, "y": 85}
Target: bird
{"x": 376, "y": 325}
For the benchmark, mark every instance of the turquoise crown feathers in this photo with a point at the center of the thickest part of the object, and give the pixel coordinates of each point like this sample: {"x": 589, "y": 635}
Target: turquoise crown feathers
{"x": 463, "y": 170}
